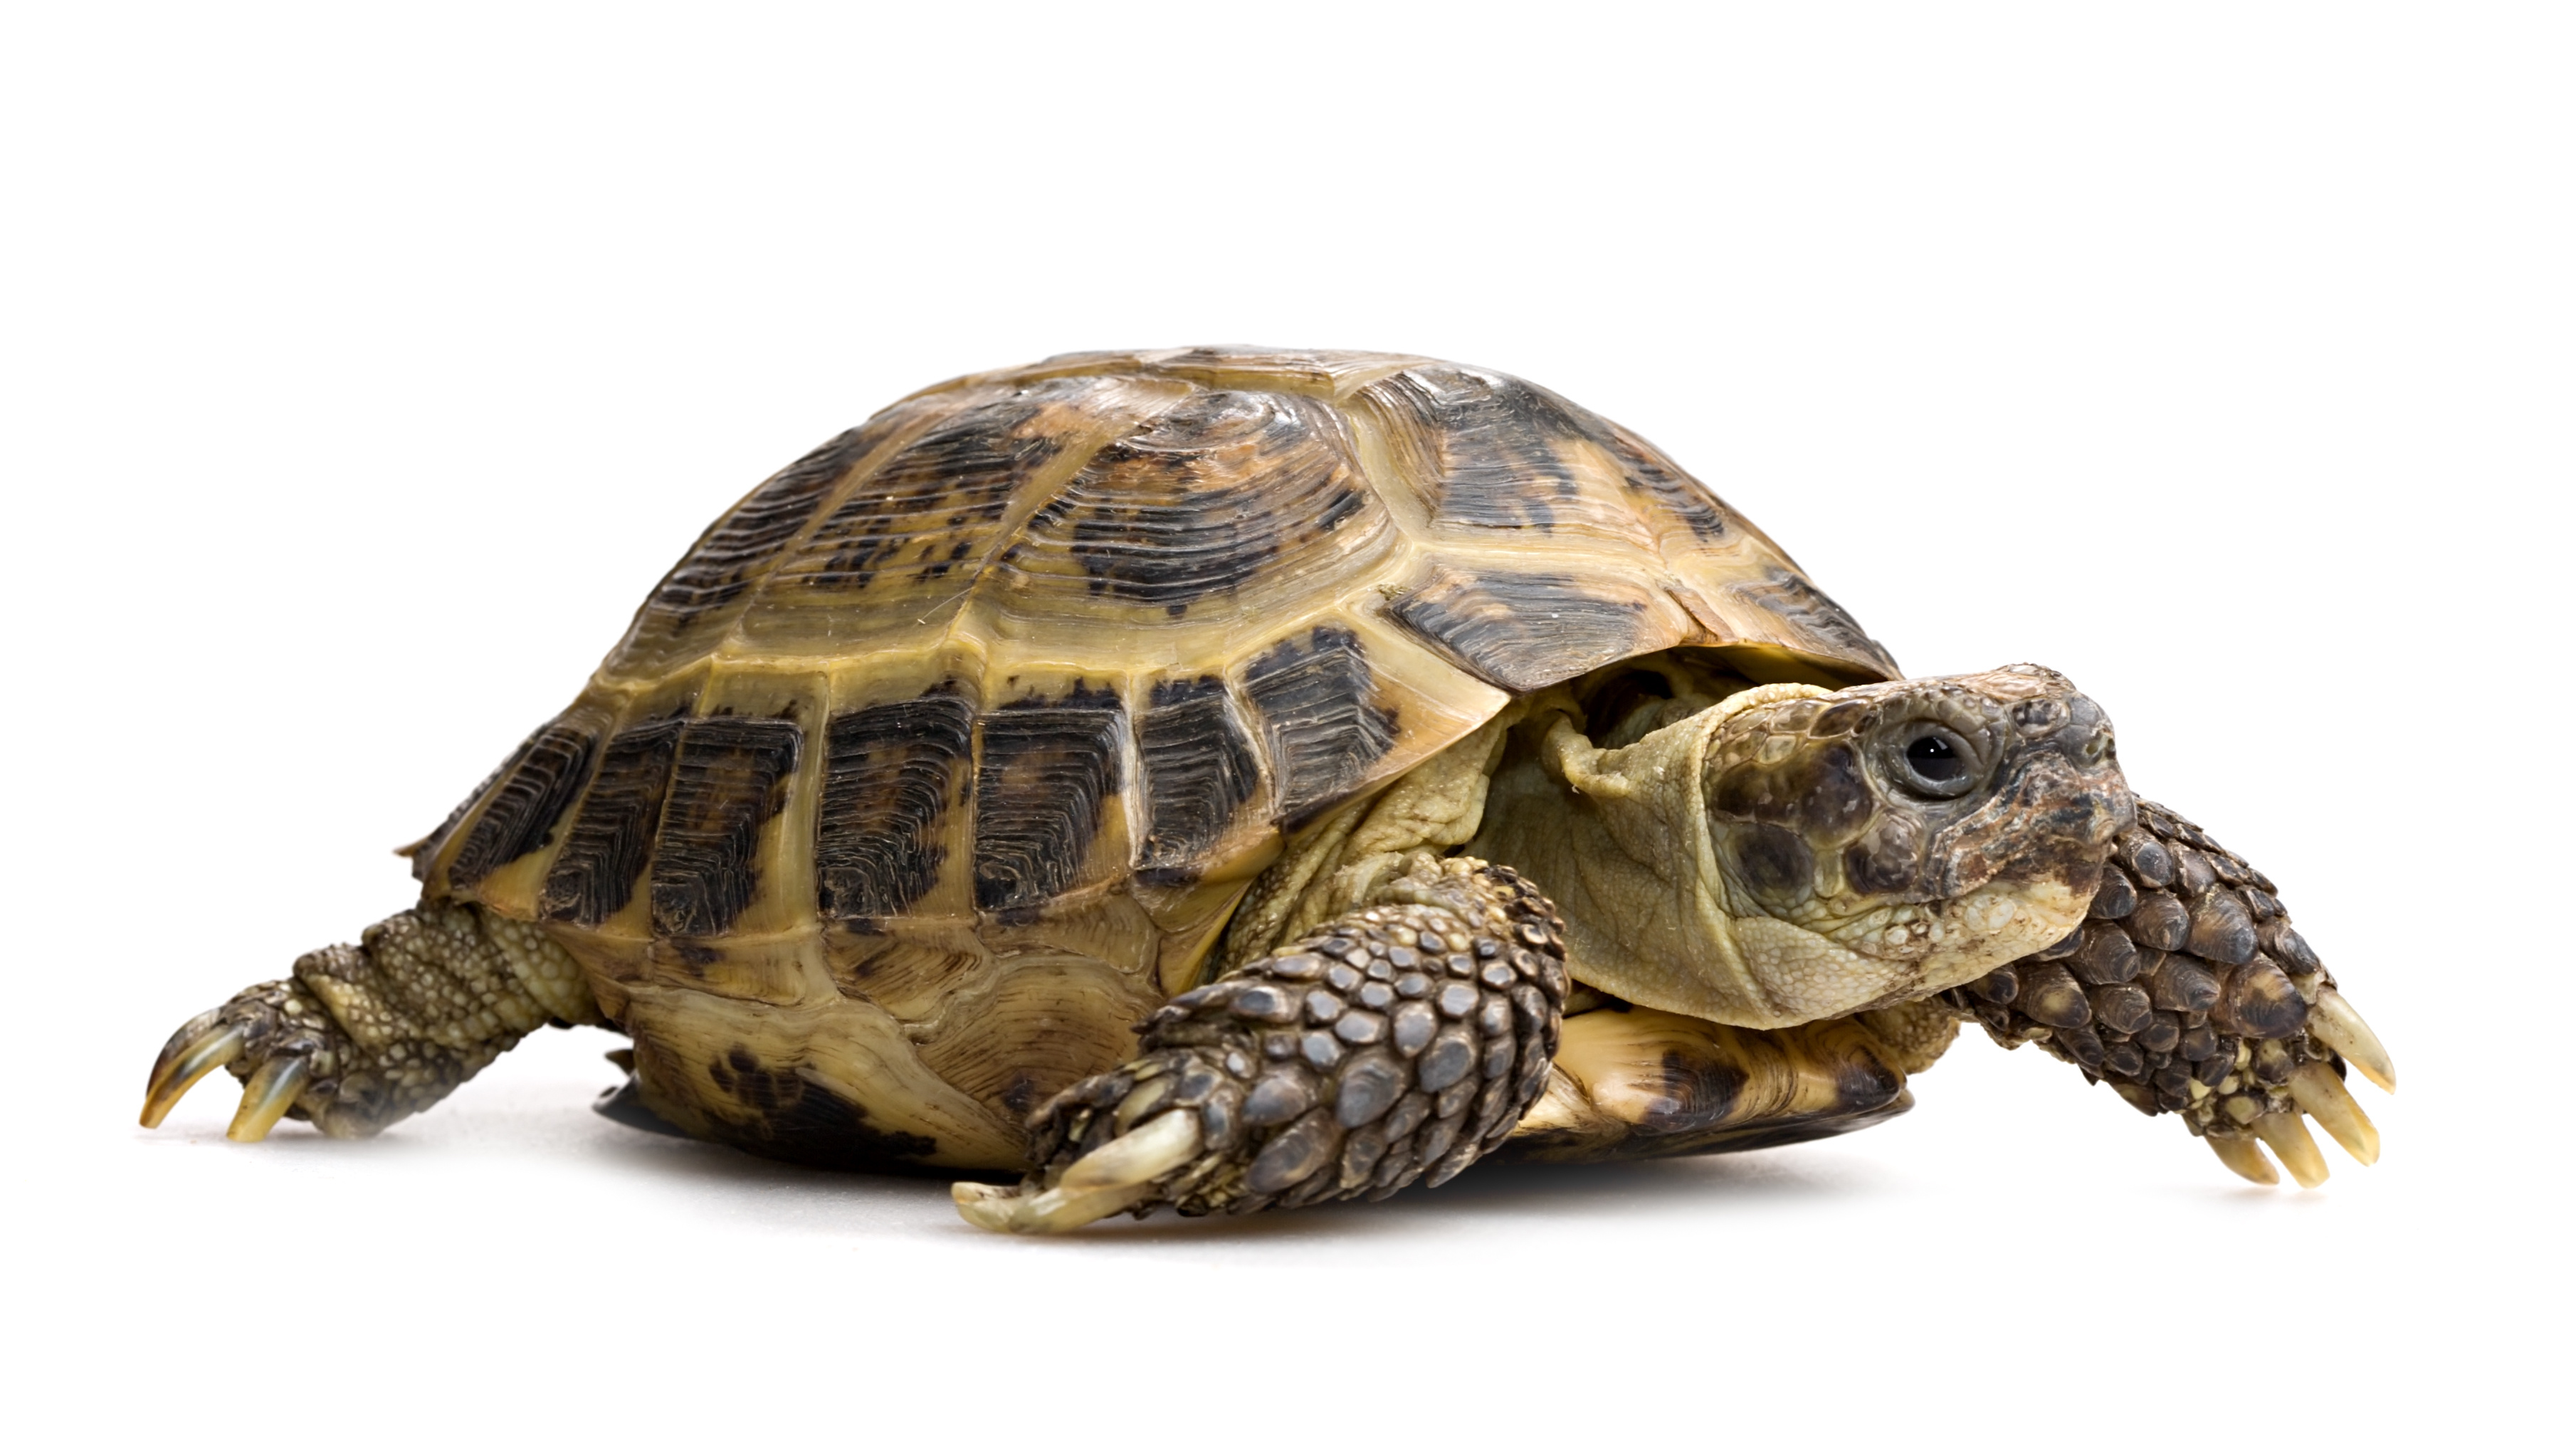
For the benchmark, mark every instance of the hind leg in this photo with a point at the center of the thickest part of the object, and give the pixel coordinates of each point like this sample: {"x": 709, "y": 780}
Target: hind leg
{"x": 361, "y": 1036}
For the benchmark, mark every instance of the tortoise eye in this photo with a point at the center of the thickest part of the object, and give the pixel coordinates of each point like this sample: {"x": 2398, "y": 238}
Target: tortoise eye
{"x": 1935, "y": 759}
{"x": 1937, "y": 763}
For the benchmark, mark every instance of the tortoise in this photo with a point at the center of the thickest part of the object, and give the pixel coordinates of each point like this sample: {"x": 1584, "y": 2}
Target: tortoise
{"x": 1222, "y": 778}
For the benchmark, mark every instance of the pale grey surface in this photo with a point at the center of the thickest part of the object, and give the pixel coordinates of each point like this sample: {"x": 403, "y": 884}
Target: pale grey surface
{"x": 361, "y": 378}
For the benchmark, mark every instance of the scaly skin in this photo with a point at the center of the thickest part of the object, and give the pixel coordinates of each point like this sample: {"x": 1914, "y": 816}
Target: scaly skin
{"x": 1397, "y": 1044}
{"x": 361, "y": 1036}
{"x": 2188, "y": 991}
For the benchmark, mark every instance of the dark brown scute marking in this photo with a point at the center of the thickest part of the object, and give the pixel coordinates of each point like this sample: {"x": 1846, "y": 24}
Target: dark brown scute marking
{"x": 1522, "y": 632}
{"x": 946, "y": 491}
{"x": 728, "y": 779}
{"x": 803, "y": 1122}
{"x": 1208, "y": 496}
{"x": 1319, "y": 711}
{"x": 1048, "y": 771}
{"x": 543, "y": 781}
{"x": 1496, "y": 444}
{"x": 1697, "y": 1092}
{"x": 1199, "y": 769}
{"x": 424, "y": 852}
{"x": 594, "y": 875}
{"x": 1808, "y": 610}
{"x": 890, "y": 773}
{"x": 1863, "y": 1083}
{"x": 735, "y": 550}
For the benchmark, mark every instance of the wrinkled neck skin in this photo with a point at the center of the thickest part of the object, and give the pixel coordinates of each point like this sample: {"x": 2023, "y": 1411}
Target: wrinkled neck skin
{"x": 1772, "y": 860}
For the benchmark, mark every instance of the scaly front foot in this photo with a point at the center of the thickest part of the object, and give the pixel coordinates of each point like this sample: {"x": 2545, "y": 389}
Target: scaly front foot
{"x": 2188, "y": 991}
{"x": 1401, "y": 1042}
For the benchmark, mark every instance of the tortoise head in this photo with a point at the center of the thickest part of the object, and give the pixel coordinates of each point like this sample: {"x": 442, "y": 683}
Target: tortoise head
{"x": 1794, "y": 853}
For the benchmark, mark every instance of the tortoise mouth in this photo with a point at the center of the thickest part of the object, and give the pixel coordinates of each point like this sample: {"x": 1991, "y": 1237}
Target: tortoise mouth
{"x": 2050, "y": 820}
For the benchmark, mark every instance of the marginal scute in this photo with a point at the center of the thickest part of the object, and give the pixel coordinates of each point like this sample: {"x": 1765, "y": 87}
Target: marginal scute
{"x": 1808, "y": 611}
{"x": 424, "y": 854}
{"x": 523, "y": 811}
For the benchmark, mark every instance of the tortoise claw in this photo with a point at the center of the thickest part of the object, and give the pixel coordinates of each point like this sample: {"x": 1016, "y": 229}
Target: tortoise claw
{"x": 2288, "y": 1137}
{"x": 194, "y": 1051}
{"x": 2239, "y": 1154}
{"x": 2320, "y": 1092}
{"x": 2333, "y": 1021}
{"x": 266, "y": 1096}
{"x": 1100, "y": 1185}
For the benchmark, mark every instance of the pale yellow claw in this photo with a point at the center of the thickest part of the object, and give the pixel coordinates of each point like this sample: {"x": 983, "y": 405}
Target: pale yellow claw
{"x": 184, "y": 1065}
{"x": 2241, "y": 1155}
{"x": 1094, "y": 1188}
{"x": 266, "y": 1096}
{"x": 2320, "y": 1092}
{"x": 2333, "y": 1021}
{"x": 2288, "y": 1137}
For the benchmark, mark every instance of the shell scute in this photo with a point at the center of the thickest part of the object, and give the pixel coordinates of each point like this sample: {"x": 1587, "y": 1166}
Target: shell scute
{"x": 1199, "y": 773}
{"x": 1490, "y": 454}
{"x": 1214, "y": 495}
{"x": 527, "y": 796}
{"x": 906, "y": 541}
{"x": 892, "y": 778}
{"x": 597, "y": 868}
{"x": 728, "y": 779}
{"x": 1049, "y": 773}
{"x": 688, "y": 612}
{"x": 1321, "y": 714}
{"x": 1525, "y": 631}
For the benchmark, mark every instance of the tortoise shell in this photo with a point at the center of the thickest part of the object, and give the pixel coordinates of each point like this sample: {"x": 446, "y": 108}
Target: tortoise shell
{"x": 970, "y": 727}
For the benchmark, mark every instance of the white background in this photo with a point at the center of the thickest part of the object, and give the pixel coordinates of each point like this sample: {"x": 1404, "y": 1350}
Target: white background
{"x": 363, "y": 372}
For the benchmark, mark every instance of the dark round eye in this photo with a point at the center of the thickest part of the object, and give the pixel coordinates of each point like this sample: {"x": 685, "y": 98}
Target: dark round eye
{"x": 1935, "y": 761}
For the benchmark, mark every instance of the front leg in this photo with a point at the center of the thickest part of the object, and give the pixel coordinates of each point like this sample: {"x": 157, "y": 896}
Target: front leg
{"x": 1397, "y": 1043}
{"x": 2188, "y": 991}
